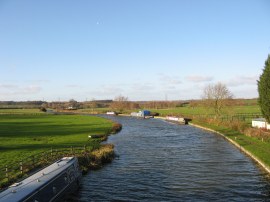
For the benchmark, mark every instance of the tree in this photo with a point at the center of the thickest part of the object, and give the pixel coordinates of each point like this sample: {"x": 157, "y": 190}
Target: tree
{"x": 264, "y": 90}
{"x": 120, "y": 103}
{"x": 73, "y": 104}
{"x": 216, "y": 96}
{"x": 43, "y": 109}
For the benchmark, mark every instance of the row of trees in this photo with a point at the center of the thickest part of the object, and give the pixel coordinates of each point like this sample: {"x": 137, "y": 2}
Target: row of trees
{"x": 121, "y": 103}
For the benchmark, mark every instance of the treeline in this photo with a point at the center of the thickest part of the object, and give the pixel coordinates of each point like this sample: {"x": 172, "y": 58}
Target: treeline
{"x": 117, "y": 104}
{"x": 73, "y": 104}
{"x": 20, "y": 104}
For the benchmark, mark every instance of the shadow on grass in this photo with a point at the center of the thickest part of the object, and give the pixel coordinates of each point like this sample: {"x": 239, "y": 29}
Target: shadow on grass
{"x": 24, "y": 129}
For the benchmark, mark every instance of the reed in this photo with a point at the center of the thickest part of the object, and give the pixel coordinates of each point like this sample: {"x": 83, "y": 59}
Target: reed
{"x": 97, "y": 158}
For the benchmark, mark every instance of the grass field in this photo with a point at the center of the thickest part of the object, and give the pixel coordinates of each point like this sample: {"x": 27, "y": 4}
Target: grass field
{"x": 20, "y": 111}
{"x": 94, "y": 110}
{"x": 22, "y": 135}
{"x": 201, "y": 110}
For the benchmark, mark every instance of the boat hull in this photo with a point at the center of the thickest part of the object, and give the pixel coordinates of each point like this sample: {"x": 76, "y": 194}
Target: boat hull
{"x": 52, "y": 183}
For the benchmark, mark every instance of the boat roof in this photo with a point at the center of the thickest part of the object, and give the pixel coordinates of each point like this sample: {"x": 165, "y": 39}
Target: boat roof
{"x": 22, "y": 189}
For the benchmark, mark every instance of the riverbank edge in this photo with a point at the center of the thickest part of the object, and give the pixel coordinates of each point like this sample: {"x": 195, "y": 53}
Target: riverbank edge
{"x": 248, "y": 153}
{"x": 101, "y": 156}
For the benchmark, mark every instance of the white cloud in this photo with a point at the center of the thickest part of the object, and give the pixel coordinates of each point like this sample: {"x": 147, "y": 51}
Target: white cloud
{"x": 169, "y": 80}
{"x": 245, "y": 92}
{"x": 32, "y": 89}
{"x": 199, "y": 79}
{"x": 142, "y": 87}
{"x": 106, "y": 91}
{"x": 11, "y": 89}
{"x": 7, "y": 86}
{"x": 73, "y": 86}
{"x": 38, "y": 81}
{"x": 242, "y": 80}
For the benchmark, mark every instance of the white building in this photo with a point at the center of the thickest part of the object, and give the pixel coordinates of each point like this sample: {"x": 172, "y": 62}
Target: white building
{"x": 260, "y": 123}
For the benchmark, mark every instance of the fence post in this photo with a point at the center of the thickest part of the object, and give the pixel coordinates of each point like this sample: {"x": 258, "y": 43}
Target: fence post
{"x": 21, "y": 167}
{"x": 72, "y": 151}
{"x": 45, "y": 156}
{"x": 33, "y": 160}
{"x": 51, "y": 152}
{"x": 7, "y": 176}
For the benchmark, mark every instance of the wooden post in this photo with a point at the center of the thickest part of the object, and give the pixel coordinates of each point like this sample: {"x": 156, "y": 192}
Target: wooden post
{"x": 45, "y": 156}
{"x": 21, "y": 167}
{"x": 72, "y": 151}
{"x": 33, "y": 160}
{"x": 56, "y": 153}
{"x": 7, "y": 173}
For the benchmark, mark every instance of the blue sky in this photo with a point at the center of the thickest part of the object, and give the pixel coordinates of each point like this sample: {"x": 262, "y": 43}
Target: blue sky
{"x": 142, "y": 49}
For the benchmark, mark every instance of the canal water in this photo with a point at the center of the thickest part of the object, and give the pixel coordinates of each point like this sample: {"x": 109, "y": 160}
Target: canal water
{"x": 160, "y": 161}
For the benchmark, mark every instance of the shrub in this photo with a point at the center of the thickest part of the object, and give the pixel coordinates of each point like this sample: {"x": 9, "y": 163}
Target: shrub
{"x": 43, "y": 109}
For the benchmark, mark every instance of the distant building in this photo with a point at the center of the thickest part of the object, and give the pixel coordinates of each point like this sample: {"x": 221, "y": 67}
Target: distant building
{"x": 71, "y": 108}
{"x": 260, "y": 123}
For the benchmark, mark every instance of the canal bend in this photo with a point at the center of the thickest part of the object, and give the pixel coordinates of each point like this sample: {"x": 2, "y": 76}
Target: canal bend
{"x": 160, "y": 161}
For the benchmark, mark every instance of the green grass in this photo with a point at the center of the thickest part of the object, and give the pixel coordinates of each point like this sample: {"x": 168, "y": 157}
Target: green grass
{"x": 252, "y": 109}
{"x": 22, "y": 135}
{"x": 181, "y": 111}
{"x": 20, "y": 111}
{"x": 95, "y": 110}
{"x": 187, "y": 111}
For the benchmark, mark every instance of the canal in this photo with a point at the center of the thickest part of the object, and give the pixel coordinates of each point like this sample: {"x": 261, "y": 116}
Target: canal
{"x": 160, "y": 161}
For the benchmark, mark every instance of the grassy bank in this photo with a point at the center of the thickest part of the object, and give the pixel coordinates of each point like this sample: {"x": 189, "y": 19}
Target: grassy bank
{"x": 39, "y": 139}
{"x": 23, "y": 135}
{"x": 257, "y": 146}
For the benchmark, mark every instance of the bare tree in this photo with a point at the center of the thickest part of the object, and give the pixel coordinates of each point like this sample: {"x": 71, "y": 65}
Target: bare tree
{"x": 120, "y": 103}
{"x": 216, "y": 96}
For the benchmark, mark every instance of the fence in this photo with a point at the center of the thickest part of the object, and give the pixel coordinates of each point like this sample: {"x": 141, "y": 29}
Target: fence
{"x": 12, "y": 172}
{"x": 247, "y": 117}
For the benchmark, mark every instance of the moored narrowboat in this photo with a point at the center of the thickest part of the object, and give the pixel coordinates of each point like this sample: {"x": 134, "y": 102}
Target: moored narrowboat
{"x": 52, "y": 183}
